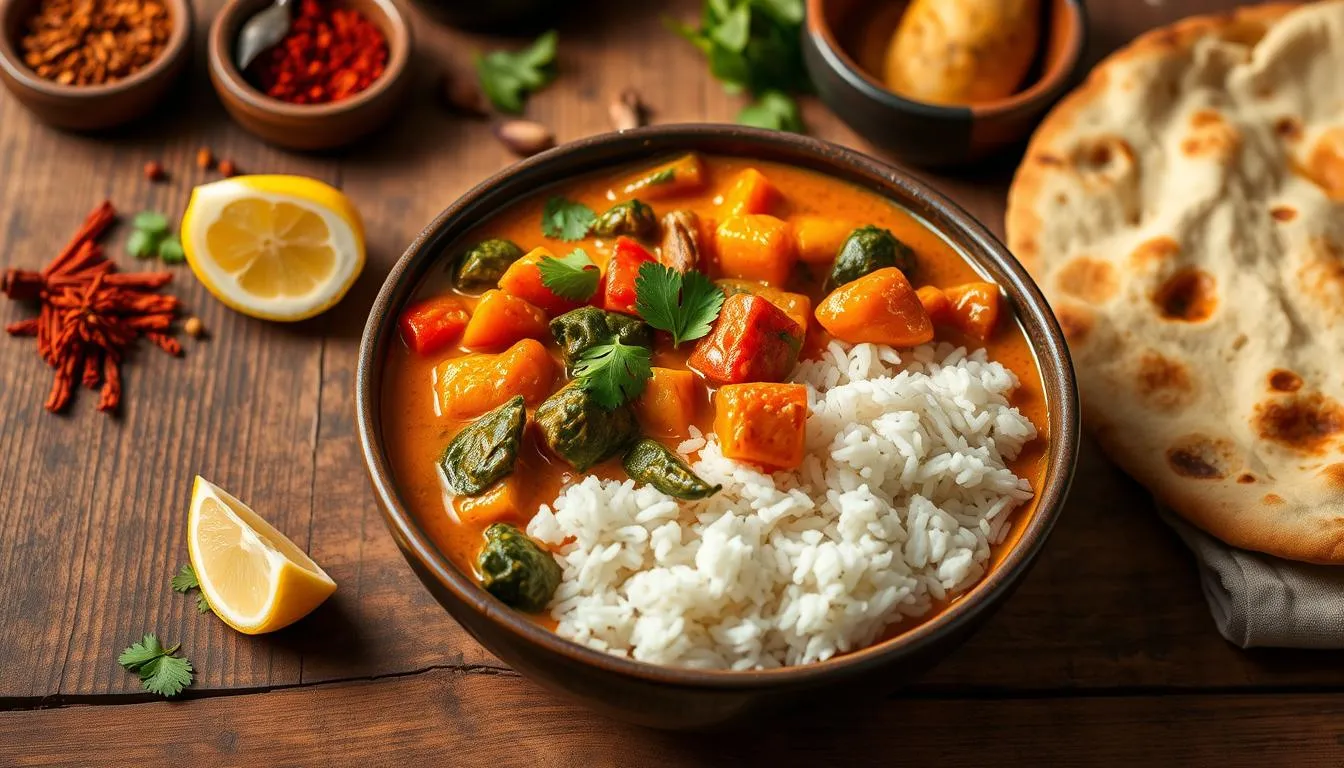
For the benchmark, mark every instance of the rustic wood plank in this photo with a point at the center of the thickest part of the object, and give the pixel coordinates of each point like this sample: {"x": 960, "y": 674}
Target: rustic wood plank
{"x": 501, "y": 720}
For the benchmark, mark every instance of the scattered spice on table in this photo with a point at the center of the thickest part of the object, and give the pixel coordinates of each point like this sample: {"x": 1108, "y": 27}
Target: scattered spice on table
{"x": 94, "y": 42}
{"x": 90, "y": 315}
{"x": 205, "y": 159}
{"x": 154, "y": 171}
{"x": 330, "y": 54}
{"x": 227, "y": 168}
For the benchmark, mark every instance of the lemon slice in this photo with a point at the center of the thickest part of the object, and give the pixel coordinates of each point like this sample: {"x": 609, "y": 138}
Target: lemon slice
{"x": 255, "y": 578}
{"x": 274, "y": 247}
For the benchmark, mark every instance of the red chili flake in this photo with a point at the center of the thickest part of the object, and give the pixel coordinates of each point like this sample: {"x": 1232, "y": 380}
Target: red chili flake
{"x": 330, "y": 54}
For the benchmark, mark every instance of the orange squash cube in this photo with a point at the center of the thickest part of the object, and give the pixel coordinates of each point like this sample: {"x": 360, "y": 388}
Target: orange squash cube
{"x": 975, "y": 308}
{"x": 667, "y": 407}
{"x": 523, "y": 279}
{"x": 501, "y": 320}
{"x": 751, "y": 192}
{"x": 501, "y": 501}
{"x": 818, "y": 238}
{"x": 755, "y": 247}
{"x": 682, "y": 176}
{"x": 881, "y": 307}
{"x": 936, "y": 303}
{"x": 762, "y": 423}
{"x": 796, "y": 305}
{"x": 470, "y": 385}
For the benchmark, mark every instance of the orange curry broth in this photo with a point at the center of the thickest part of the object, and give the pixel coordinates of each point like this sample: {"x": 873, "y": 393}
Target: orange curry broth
{"x": 415, "y": 437}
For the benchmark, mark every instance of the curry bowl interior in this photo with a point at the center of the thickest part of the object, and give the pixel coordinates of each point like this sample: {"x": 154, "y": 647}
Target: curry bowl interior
{"x": 615, "y": 150}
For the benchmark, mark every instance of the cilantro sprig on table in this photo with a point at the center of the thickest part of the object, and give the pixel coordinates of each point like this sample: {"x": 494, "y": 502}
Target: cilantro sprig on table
{"x": 573, "y": 276}
{"x": 565, "y": 219}
{"x": 774, "y": 110}
{"x": 185, "y": 581}
{"x": 614, "y": 373}
{"x": 685, "y": 306}
{"x": 507, "y": 77}
{"x": 161, "y": 672}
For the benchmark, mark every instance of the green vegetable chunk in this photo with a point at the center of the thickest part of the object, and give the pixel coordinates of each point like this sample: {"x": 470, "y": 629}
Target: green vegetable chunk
{"x": 868, "y": 249}
{"x": 650, "y": 463}
{"x": 579, "y": 330}
{"x": 485, "y": 262}
{"x": 485, "y": 450}
{"x": 579, "y": 430}
{"x": 631, "y": 218}
{"x": 515, "y": 570}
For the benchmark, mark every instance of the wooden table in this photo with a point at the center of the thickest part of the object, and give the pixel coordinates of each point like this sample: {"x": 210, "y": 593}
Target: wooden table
{"x": 1106, "y": 654}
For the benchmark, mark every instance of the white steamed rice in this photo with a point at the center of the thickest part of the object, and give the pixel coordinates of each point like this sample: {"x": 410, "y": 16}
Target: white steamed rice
{"x": 904, "y": 490}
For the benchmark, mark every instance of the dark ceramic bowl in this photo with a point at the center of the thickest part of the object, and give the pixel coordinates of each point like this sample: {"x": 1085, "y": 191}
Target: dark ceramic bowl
{"x": 933, "y": 135}
{"x": 91, "y": 107}
{"x": 311, "y": 126}
{"x": 681, "y": 698}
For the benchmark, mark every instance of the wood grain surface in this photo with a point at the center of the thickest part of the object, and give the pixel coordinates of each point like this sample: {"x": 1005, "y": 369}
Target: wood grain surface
{"x": 1107, "y": 650}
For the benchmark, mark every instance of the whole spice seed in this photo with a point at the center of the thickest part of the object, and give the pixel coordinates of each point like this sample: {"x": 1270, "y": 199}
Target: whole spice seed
{"x": 524, "y": 137}
{"x": 94, "y": 42}
{"x": 330, "y": 54}
{"x": 205, "y": 159}
{"x": 227, "y": 168}
{"x": 89, "y": 314}
{"x": 627, "y": 111}
{"x": 154, "y": 171}
{"x": 194, "y": 327}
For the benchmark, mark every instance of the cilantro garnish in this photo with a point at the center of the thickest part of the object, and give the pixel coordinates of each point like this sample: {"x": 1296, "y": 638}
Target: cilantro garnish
{"x": 507, "y": 76}
{"x": 683, "y": 305}
{"x": 185, "y": 581}
{"x": 773, "y": 110}
{"x": 160, "y": 671}
{"x": 574, "y": 277}
{"x": 564, "y": 219}
{"x": 613, "y": 373}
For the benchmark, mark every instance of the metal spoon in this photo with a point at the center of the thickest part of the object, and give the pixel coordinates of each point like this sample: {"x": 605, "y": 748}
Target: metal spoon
{"x": 261, "y": 32}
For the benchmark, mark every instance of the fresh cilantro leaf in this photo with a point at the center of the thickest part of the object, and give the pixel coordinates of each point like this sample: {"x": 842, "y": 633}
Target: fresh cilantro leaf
{"x": 507, "y": 77}
{"x": 683, "y": 305}
{"x": 142, "y": 244}
{"x": 614, "y": 373}
{"x": 160, "y": 671}
{"x": 734, "y": 30}
{"x": 202, "y": 604}
{"x": 170, "y": 250}
{"x": 774, "y": 110}
{"x": 574, "y": 277}
{"x": 567, "y": 220}
{"x": 186, "y": 580}
{"x": 784, "y": 11}
{"x": 152, "y": 222}
{"x": 167, "y": 675}
{"x": 141, "y": 653}
{"x": 751, "y": 45}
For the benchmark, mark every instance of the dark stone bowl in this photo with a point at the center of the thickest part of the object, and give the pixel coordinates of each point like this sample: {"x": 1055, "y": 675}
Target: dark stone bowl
{"x": 669, "y": 697}
{"x": 934, "y": 135}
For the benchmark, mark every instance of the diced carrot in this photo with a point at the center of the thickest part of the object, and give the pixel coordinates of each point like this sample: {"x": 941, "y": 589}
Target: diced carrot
{"x": 755, "y": 247}
{"x": 667, "y": 407}
{"x": 431, "y": 325}
{"x": 881, "y": 307}
{"x": 682, "y": 176}
{"x": 523, "y": 279}
{"x": 751, "y": 192}
{"x": 753, "y": 340}
{"x": 818, "y": 238}
{"x": 762, "y": 423}
{"x": 501, "y": 320}
{"x": 796, "y": 305}
{"x": 501, "y": 501}
{"x": 618, "y": 291}
{"x": 470, "y": 385}
{"x": 975, "y": 308}
{"x": 935, "y": 303}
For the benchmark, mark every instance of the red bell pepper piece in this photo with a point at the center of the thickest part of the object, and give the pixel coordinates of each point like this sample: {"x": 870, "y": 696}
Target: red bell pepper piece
{"x": 753, "y": 340}
{"x": 431, "y": 325}
{"x": 619, "y": 289}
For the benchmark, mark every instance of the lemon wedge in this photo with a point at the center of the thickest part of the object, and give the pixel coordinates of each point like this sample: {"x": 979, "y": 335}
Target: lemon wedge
{"x": 274, "y": 247}
{"x": 255, "y": 578}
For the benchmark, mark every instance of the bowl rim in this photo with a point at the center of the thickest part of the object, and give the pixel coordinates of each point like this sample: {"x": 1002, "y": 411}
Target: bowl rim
{"x": 179, "y": 39}
{"x": 830, "y": 159}
{"x": 227, "y": 77}
{"x": 1046, "y": 87}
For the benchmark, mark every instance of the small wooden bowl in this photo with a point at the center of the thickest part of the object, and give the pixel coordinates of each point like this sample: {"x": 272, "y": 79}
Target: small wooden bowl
{"x": 310, "y": 126}
{"x": 673, "y": 697}
{"x": 934, "y": 135}
{"x": 91, "y": 107}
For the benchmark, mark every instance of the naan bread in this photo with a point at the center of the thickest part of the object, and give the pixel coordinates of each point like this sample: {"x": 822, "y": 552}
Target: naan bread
{"x": 1184, "y": 212}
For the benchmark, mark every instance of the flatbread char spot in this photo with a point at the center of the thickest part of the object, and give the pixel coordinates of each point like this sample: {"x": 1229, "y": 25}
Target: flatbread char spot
{"x": 1188, "y": 296}
{"x": 1089, "y": 279}
{"x": 1304, "y": 423}
{"x": 1200, "y": 457}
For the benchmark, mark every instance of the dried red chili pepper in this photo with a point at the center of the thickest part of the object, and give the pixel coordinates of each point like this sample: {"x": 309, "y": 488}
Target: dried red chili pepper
{"x": 89, "y": 314}
{"x": 330, "y": 54}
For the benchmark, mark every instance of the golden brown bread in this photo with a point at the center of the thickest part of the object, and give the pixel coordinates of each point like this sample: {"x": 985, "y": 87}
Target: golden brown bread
{"x": 1184, "y": 211}
{"x": 963, "y": 51}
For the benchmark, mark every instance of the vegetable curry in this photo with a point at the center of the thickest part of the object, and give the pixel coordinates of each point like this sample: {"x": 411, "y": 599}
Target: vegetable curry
{"x": 588, "y": 329}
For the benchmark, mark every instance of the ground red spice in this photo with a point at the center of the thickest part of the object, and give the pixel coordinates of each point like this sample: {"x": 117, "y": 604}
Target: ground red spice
{"x": 330, "y": 54}
{"x": 89, "y": 314}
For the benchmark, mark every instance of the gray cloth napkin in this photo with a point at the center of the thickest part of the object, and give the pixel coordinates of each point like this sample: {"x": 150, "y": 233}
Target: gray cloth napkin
{"x": 1263, "y": 601}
